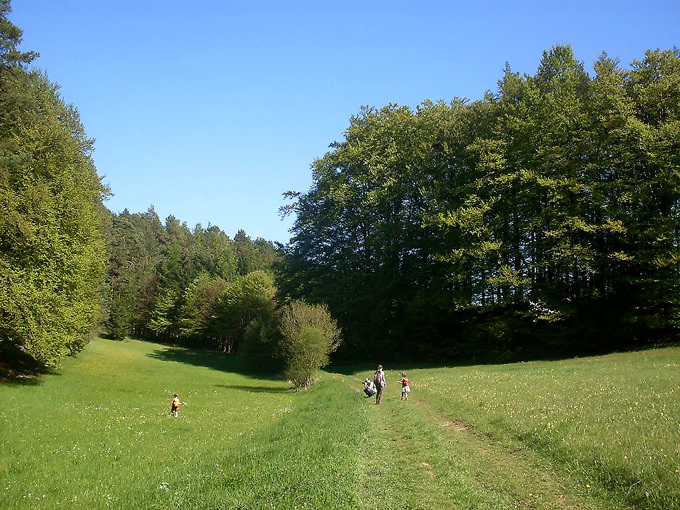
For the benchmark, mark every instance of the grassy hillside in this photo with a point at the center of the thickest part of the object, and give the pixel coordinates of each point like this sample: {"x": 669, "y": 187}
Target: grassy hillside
{"x": 596, "y": 433}
{"x": 610, "y": 423}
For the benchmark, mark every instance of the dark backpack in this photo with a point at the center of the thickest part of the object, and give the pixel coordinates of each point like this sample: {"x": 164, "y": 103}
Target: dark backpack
{"x": 377, "y": 379}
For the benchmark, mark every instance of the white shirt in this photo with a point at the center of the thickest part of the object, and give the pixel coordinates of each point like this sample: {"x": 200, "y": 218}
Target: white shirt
{"x": 380, "y": 375}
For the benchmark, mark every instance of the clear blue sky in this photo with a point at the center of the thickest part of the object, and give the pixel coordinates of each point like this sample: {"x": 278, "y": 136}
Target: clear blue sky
{"x": 209, "y": 110}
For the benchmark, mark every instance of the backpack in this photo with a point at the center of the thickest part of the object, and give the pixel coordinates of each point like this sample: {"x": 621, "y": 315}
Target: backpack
{"x": 377, "y": 379}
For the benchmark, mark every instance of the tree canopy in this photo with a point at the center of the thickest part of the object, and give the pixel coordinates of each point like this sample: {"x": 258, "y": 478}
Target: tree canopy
{"x": 198, "y": 287}
{"x": 543, "y": 218}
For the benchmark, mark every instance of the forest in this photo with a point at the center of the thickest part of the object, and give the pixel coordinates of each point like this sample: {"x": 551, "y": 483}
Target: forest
{"x": 539, "y": 221}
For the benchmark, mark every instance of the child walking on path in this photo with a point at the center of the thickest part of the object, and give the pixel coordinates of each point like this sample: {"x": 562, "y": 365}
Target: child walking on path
{"x": 405, "y": 387}
{"x": 174, "y": 406}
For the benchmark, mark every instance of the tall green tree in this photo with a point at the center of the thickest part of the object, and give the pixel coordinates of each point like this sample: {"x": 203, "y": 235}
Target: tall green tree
{"x": 51, "y": 214}
{"x": 135, "y": 243}
{"x": 367, "y": 221}
{"x": 123, "y": 247}
{"x": 247, "y": 298}
{"x": 651, "y": 184}
{"x": 200, "y": 310}
{"x": 10, "y": 39}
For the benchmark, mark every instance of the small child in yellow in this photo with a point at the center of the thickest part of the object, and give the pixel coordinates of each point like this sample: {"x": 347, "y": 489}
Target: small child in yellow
{"x": 174, "y": 410}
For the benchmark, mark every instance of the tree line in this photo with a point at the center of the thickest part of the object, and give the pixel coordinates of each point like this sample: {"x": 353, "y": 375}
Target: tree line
{"x": 539, "y": 220}
{"x": 199, "y": 288}
{"x": 167, "y": 281}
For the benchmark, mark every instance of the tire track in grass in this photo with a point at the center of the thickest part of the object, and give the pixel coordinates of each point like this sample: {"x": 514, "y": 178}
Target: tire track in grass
{"x": 529, "y": 479}
{"x": 418, "y": 458}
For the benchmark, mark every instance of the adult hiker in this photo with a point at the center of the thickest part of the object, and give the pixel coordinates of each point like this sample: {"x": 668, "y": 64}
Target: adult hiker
{"x": 379, "y": 380}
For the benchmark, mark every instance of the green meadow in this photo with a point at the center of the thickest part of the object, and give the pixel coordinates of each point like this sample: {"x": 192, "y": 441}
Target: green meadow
{"x": 591, "y": 433}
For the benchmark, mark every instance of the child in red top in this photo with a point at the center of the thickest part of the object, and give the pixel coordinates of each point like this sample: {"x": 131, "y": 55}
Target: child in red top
{"x": 405, "y": 387}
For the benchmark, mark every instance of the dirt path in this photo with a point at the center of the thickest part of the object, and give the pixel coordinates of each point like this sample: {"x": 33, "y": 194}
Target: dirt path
{"x": 418, "y": 458}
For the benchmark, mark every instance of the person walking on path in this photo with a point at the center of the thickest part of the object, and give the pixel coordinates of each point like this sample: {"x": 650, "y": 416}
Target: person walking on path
{"x": 379, "y": 380}
{"x": 405, "y": 387}
{"x": 174, "y": 406}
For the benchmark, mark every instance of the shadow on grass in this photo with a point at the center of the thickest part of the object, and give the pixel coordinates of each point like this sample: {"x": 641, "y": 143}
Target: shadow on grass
{"x": 391, "y": 368}
{"x": 232, "y": 363}
{"x": 17, "y": 367}
{"x": 395, "y": 367}
{"x": 255, "y": 389}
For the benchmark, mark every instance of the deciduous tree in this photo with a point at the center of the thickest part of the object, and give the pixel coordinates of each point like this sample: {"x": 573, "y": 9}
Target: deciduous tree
{"x": 51, "y": 213}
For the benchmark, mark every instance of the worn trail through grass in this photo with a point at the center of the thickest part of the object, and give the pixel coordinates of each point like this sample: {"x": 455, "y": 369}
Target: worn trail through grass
{"x": 419, "y": 457}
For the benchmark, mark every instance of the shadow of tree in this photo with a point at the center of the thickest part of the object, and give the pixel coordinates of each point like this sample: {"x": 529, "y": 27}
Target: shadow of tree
{"x": 366, "y": 370}
{"x": 17, "y": 367}
{"x": 255, "y": 389}
{"x": 233, "y": 363}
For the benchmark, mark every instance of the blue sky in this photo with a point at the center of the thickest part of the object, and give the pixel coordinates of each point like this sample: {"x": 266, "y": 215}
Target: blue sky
{"x": 209, "y": 110}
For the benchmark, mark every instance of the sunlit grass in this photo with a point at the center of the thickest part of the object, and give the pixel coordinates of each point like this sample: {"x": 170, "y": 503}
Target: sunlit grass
{"x": 613, "y": 422}
{"x": 100, "y": 432}
{"x": 597, "y": 433}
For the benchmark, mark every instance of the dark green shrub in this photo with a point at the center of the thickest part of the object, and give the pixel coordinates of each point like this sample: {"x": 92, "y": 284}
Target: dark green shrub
{"x": 261, "y": 344}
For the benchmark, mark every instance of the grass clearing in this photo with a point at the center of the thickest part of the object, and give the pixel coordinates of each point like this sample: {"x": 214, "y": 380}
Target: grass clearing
{"x": 598, "y": 433}
{"x": 100, "y": 434}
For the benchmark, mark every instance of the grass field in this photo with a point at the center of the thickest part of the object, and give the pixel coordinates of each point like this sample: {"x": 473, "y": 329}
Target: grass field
{"x": 593, "y": 433}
